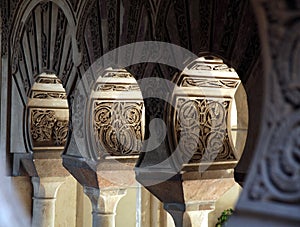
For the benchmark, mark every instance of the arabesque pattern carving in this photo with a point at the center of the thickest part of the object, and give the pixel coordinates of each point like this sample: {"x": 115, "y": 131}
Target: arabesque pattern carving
{"x": 212, "y": 83}
{"x": 60, "y": 132}
{"x": 118, "y": 127}
{"x": 42, "y": 122}
{"x": 201, "y": 129}
{"x": 115, "y": 87}
{"x": 49, "y": 95}
{"x": 209, "y": 67}
{"x": 46, "y": 129}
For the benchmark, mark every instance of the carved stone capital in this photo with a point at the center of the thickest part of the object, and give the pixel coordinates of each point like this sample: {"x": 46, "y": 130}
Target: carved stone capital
{"x": 104, "y": 204}
{"x": 46, "y": 187}
{"x": 44, "y": 196}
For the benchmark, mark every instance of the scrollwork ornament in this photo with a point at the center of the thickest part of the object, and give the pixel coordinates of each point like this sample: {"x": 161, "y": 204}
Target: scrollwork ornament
{"x": 287, "y": 64}
{"x": 205, "y": 120}
{"x": 42, "y": 122}
{"x": 117, "y": 127}
{"x": 60, "y": 132}
{"x": 280, "y": 169}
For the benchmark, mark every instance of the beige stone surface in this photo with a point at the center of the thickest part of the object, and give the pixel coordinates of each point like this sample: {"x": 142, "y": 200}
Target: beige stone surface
{"x": 113, "y": 179}
{"x": 65, "y": 213}
{"x": 84, "y": 208}
{"x": 206, "y": 190}
{"x": 228, "y": 200}
{"x": 50, "y": 168}
{"x": 126, "y": 209}
{"x": 23, "y": 189}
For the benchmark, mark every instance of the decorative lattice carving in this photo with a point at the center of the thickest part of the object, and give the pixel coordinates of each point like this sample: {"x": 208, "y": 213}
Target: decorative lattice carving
{"x": 42, "y": 122}
{"x": 46, "y": 129}
{"x": 118, "y": 127}
{"x": 60, "y": 132}
{"x": 201, "y": 129}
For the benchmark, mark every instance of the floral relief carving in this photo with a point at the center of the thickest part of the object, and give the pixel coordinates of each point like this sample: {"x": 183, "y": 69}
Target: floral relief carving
{"x": 42, "y": 122}
{"x": 46, "y": 129}
{"x": 118, "y": 127}
{"x": 60, "y": 132}
{"x": 276, "y": 176}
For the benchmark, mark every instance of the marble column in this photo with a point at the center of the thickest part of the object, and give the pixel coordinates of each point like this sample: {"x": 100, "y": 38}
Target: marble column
{"x": 45, "y": 190}
{"x": 104, "y": 205}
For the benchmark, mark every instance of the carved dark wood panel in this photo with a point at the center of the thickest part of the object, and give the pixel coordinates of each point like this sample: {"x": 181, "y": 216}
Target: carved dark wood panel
{"x": 8, "y": 8}
{"x": 246, "y": 50}
{"x": 109, "y": 24}
{"x": 201, "y": 24}
{"x": 226, "y": 25}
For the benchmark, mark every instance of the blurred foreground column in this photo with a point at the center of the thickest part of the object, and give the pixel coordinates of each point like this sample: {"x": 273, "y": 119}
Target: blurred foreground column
{"x": 271, "y": 193}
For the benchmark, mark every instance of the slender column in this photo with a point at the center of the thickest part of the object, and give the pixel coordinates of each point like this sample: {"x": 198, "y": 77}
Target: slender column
{"x": 45, "y": 190}
{"x": 176, "y": 210}
{"x": 104, "y": 205}
{"x": 197, "y": 214}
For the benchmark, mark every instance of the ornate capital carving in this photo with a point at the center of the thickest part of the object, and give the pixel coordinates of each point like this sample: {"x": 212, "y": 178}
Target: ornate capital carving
{"x": 202, "y": 107}
{"x": 48, "y": 114}
{"x": 118, "y": 127}
{"x": 201, "y": 129}
{"x": 117, "y": 115}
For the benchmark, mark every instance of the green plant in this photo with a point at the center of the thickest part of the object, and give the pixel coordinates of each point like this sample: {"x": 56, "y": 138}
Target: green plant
{"x": 224, "y": 217}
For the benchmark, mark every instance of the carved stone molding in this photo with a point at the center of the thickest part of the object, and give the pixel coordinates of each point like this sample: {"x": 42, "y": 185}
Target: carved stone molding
{"x": 104, "y": 204}
{"x": 47, "y": 129}
{"x": 200, "y": 167}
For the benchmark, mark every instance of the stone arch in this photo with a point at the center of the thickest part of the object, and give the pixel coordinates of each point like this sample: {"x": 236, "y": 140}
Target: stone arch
{"x": 26, "y": 8}
{"x": 30, "y": 39}
{"x": 39, "y": 45}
